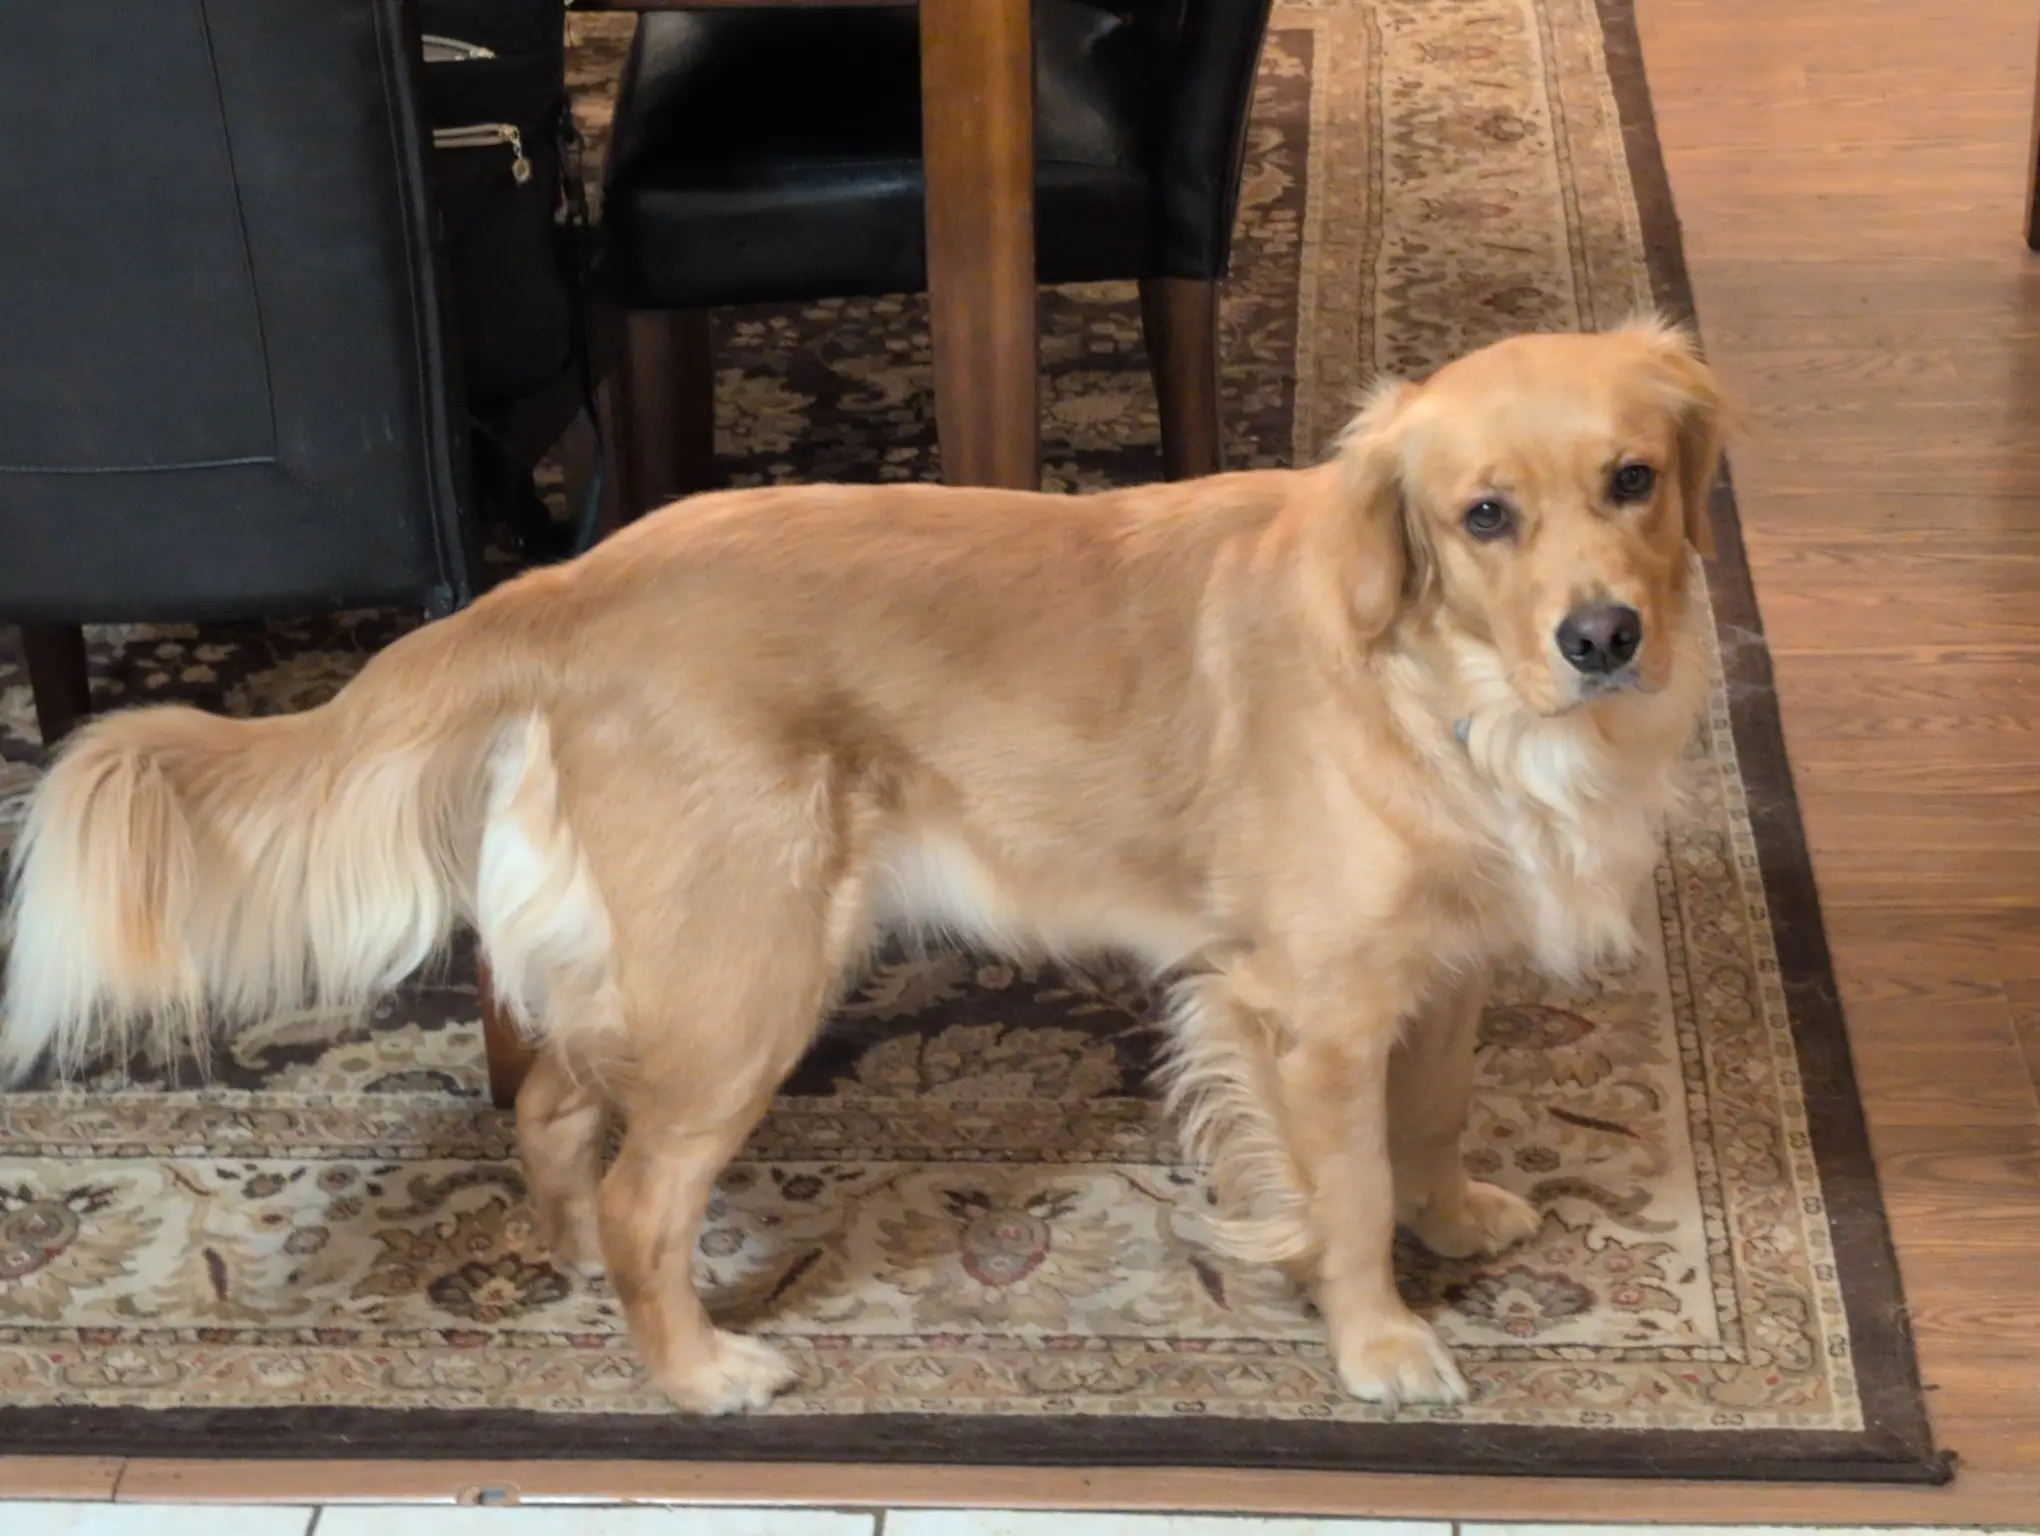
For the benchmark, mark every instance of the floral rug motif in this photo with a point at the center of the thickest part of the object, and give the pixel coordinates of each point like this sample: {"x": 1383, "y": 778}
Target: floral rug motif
{"x": 964, "y": 1216}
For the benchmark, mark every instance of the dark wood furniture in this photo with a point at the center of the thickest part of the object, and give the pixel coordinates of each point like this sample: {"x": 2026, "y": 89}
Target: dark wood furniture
{"x": 977, "y": 79}
{"x": 855, "y": 150}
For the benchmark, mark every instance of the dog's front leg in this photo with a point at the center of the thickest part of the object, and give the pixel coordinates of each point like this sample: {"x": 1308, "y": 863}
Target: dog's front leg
{"x": 1334, "y": 1083}
{"x": 1430, "y": 1089}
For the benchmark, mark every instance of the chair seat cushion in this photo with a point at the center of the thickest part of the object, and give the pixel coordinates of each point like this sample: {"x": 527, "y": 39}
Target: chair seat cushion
{"x": 775, "y": 154}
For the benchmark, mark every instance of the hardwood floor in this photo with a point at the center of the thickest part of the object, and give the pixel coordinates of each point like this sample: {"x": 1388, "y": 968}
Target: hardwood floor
{"x": 1851, "y": 178}
{"x": 1850, "y": 174}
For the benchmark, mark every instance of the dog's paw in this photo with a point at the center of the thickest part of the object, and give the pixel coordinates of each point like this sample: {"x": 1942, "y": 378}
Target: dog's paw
{"x": 1399, "y": 1361}
{"x": 737, "y": 1373}
{"x": 1484, "y": 1219}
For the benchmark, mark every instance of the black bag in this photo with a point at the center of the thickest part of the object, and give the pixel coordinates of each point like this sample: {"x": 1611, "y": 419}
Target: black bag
{"x": 506, "y": 174}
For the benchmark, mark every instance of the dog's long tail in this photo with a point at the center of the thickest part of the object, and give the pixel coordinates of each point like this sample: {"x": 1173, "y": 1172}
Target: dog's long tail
{"x": 180, "y": 873}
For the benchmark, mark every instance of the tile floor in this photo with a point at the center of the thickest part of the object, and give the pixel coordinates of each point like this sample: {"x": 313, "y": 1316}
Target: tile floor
{"x": 72, "y": 1519}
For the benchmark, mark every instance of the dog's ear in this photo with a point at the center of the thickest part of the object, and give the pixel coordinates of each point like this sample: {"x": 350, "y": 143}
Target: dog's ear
{"x": 1703, "y": 413}
{"x": 1364, "y": 563}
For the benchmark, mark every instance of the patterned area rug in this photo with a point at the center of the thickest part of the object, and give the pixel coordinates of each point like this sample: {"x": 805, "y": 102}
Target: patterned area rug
{"x": 964, "y": 1218}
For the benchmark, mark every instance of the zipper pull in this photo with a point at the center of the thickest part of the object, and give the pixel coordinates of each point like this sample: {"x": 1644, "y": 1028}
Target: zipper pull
{"x": 453, "y": 50}
{"x": 481, "y": 135}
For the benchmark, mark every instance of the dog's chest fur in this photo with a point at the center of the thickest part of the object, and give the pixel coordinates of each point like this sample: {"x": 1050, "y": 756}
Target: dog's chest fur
{"x": 1563, "y": 826}
{"x": 1571, "y": 840}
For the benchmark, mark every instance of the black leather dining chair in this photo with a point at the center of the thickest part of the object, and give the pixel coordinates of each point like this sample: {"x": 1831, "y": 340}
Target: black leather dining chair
{"x": 226, "y": 388}
{"x": 775, "y": 155}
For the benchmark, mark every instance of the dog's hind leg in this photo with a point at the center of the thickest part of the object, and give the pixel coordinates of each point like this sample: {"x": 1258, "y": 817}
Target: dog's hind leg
{"x": 716, "y": 1017}
{"x": 651, "y": 1208}
{"x": 560, "y": 1120}
{"x": 736, "y": 896}
{"x": 1430, "y": 1092}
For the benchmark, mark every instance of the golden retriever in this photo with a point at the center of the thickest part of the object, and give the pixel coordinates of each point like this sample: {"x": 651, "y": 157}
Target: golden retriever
{"x": 1324, "y": 745}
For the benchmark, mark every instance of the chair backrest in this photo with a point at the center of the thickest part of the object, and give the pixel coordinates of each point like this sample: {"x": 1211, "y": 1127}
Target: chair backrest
{"x": 1204, "y": 136}
{"x": 225, "y": 383}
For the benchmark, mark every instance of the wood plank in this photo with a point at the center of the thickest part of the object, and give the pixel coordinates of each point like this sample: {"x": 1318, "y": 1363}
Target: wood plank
{"x": 1897, "y": 559}
{"x": 1973, "y": 1185}
{"x": 60, "y": 1478}
{"x": 1922, "y": 615}
{"x": 1918, "y": 989}
{"x": 2025, "y": 1002}
{"x": 1853, "y": 172}
{"x": 1795, "y": 510}
{"x": 1928, "y": 947}
{"x": 1865, "y": 218}
{"x": 1968, "y": 1073}
{"x": 1864, "y": 375}
{"x": 1973, "y": 878}
{"x": 1942, "y": 763}
{"x": 1974, "y": 1499}
{"x": 1860, "y": 107}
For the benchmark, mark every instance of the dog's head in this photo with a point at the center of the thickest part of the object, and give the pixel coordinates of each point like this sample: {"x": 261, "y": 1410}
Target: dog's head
{"x": 1536, "y": 497}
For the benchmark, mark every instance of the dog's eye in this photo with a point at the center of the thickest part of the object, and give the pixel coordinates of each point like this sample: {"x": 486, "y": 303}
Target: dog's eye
{"x": 1487, "y": 519}
{"x": 1632, "y": 482}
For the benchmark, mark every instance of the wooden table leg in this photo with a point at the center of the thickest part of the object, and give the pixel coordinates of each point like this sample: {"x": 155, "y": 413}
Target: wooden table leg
{"x": 977, "y": 100}
{"x": 510, "y": 1056}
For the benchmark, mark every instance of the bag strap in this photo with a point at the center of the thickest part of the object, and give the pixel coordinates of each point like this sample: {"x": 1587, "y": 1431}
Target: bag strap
{"x": 502, "y": 481}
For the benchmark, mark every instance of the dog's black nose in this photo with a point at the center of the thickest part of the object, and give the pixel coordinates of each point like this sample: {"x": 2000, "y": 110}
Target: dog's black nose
{"x": 1601, "y": 637}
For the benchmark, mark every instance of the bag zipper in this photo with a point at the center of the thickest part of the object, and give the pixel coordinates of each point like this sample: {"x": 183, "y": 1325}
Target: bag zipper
{"x": 484, "y": 136}
{"x": 453, "y": 50}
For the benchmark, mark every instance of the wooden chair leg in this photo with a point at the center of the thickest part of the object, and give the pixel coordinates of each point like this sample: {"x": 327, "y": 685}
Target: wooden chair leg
{"x": 57, "y": 677}
{"x": 510, "y": 1055}
{"x": 617, "y": 506}
{"x": 1179, "y": 317}
{"x": 667, "y": 406}
{"x": 692, "y": 415}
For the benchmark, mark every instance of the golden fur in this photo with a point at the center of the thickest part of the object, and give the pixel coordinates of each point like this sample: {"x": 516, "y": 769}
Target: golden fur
{"x": 1298, "y": 739}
